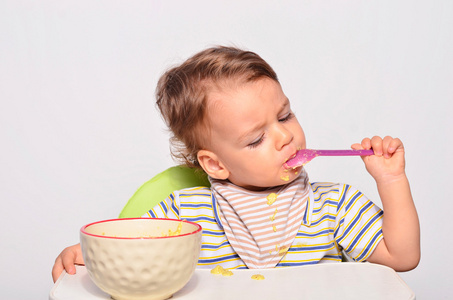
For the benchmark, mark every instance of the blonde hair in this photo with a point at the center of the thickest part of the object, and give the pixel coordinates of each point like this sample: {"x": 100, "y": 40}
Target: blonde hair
{"x": 182, "y": 94}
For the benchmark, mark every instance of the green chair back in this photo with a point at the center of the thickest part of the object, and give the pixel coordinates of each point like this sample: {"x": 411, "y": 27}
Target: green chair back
{"x": 160, "y": 186}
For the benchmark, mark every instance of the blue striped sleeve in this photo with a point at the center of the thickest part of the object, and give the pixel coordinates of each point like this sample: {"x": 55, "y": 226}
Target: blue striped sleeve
{"x": 358, "y": 227}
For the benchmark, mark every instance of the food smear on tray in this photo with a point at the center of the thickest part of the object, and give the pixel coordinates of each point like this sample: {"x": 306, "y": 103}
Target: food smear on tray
{"x": 257, "y": 277}
{"x": 219, "y": 270}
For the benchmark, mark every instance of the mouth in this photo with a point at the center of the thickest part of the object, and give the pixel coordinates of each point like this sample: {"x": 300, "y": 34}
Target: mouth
{"x": 285, "y": 165}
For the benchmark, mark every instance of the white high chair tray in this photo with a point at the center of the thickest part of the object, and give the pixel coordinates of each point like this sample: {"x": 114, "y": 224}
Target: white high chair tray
{"x": 322, "y": 281}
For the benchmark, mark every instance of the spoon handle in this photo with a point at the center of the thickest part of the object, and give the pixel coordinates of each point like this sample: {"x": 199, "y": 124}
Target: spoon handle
{"x": 344, "y": 152}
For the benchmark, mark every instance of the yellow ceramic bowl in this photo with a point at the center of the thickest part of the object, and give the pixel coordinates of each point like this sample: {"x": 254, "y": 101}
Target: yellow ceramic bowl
{"x": 141, "y": 258}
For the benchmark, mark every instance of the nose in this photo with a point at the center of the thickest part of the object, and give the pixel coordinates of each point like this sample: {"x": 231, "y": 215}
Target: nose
{"x": 282, "y": 136}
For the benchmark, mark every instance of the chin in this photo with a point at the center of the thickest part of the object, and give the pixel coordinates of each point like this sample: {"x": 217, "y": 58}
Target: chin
{"x": 288, "y": 175}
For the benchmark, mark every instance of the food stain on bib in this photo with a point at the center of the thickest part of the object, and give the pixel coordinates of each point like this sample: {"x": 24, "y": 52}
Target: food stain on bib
{"x": 271, "y": 198}
{"x": 273, "y": 216}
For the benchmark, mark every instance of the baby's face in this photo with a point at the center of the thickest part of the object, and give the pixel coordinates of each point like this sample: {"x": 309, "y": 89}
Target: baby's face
{"x": 254, "y": 132}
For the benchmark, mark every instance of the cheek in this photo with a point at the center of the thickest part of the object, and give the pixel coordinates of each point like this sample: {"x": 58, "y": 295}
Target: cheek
{"x": 253, "y": 166}
{"x": 300, "y": 135}
{"x": 303, "y": 141}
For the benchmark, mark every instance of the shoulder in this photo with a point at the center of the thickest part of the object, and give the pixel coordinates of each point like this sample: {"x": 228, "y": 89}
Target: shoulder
{"x": 333, "y": 190}
{"x": 325, "y": 187}
{"x": 193, "y": 193}
{"x": 326, "y": 190}
{"x": 339, "y": 195}
{"x": 198, "y": 205}
{"x": 195, "y": 197}
{"x": 181, "y": 201}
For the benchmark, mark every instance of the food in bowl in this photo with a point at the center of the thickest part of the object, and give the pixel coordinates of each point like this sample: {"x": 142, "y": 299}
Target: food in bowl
{"x": 141, "y": 258}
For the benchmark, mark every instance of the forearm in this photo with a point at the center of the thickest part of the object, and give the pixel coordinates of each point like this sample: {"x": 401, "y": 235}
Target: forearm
{"x": 400, "y": 247}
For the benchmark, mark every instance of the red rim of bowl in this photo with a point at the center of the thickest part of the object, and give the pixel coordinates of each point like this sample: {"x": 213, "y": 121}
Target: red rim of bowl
{"x": 83, "y": 229}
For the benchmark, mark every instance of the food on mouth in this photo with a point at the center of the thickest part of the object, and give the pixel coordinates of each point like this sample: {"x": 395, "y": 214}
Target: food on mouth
{"x": 285, "y": 177}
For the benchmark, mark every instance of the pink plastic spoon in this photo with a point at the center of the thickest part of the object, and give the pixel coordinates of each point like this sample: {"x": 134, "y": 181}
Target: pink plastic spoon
{"x": 306, "y": 155}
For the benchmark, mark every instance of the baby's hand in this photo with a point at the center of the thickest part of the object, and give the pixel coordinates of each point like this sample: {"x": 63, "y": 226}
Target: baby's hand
{"x": 388, "y": 161}
{"x": 66, "y": 261}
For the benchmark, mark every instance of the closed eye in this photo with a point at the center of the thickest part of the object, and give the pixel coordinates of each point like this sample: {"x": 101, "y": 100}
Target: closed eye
{"x": 257, "y": 142}
{"x": 286, "y": 118}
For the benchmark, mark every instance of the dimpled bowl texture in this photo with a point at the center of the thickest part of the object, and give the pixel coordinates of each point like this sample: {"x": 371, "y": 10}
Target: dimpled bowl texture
{"x": 133, "y": 259}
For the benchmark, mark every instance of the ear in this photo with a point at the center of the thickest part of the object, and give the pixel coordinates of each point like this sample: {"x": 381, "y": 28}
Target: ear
{"x": 212, "y": 165}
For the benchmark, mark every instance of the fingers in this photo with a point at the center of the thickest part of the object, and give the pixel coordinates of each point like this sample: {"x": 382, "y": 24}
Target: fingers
{"x": 387, "y": 149}
{"x": 364, "y": 145}
{"x": 388, "y": 160}
{"x": 357, "y": 146}
{"x": 67, "y": 260}
{"x": 386, "y": 146}
{"x": 57, "y": 269}
{"x": 377, "y": 145}
{"x": 394, "y": 145}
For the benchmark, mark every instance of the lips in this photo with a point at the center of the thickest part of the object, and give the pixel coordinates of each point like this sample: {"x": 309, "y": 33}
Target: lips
{"x": 292, "y": 156}
{"x": 285, "y": 165}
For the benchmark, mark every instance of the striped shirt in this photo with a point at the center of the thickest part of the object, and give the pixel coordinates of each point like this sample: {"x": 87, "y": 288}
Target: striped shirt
{"x": 337, "y": 217}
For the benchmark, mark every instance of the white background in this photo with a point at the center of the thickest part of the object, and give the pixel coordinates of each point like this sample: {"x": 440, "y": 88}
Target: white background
{"x": 79, "y": 132}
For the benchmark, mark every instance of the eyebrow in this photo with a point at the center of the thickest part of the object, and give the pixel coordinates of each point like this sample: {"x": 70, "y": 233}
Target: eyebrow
{"x": 260, "y": 125}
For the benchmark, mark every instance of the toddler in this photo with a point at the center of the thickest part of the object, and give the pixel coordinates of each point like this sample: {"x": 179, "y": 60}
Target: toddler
{"x": 229, "y": 117}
